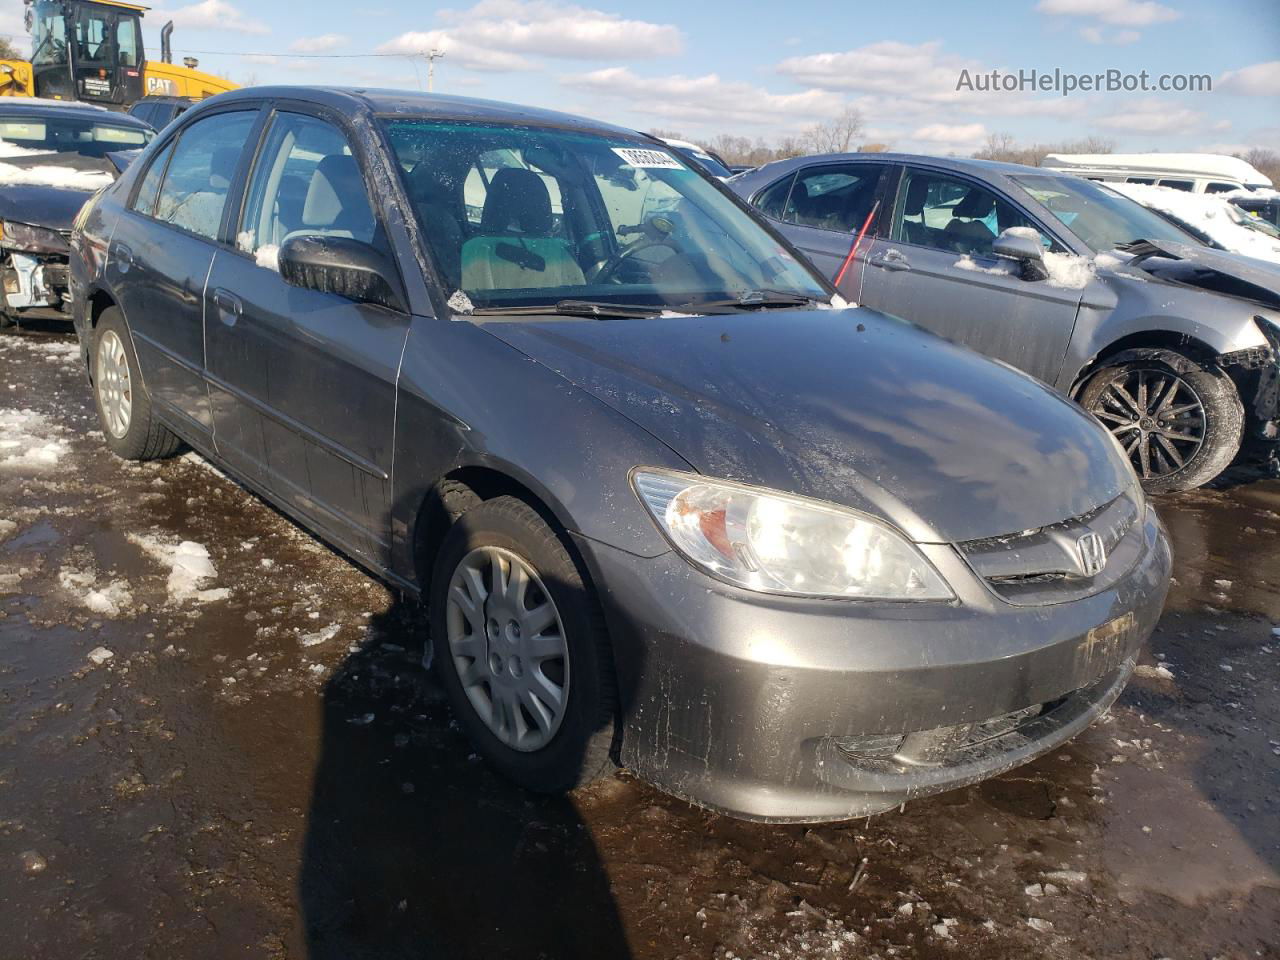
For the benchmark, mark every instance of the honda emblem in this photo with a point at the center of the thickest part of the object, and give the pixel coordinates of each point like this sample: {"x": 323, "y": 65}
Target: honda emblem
{"x": 1093, "y": 554}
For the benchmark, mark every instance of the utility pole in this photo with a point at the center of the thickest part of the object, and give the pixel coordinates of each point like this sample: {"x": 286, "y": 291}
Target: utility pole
{"x": 431, "y": 57}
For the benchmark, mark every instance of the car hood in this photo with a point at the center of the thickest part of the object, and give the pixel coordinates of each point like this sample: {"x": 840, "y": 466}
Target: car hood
{"x": 1232, "y": 274}
{"x": 53, "y": 207}
{"x": 848, "y": 406}
{"x": 48, "y": 190}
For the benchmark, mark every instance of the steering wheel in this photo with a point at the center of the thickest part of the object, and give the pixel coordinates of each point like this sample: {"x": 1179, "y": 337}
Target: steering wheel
{"x": 657, "y": 231}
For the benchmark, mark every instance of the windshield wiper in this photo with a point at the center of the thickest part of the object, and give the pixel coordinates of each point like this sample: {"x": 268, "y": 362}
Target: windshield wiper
{"x": 755, "y": 300}
{"x": 572, "y": 308}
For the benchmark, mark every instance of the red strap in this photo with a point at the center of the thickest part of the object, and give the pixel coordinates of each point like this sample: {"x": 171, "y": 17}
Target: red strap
{"x": 856, "y": 243}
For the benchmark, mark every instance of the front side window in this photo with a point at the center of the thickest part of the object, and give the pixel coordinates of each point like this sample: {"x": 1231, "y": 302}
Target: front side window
{"x": 947, "y": 213}
{"x": 519, "y": 216}
{"x": 1099, "y": 216}
{"x": 144, "y": 201}
{"x": 198, "y": 178}
{"x": 92, "y": 38}
{"x": 306, "y": 182}
{"x": 772, "y": 201}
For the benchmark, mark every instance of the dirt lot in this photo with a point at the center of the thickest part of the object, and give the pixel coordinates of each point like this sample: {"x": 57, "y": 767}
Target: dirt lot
{"x": 216, "y": 741}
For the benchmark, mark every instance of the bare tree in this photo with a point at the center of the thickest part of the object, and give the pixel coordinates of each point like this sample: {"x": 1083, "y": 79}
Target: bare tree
{"x": 835, "y": 135}
{"x": 874, "y": 148}
{"x": 667, "y": 134}
{"x": 1003, "y": 147}
{"x": 1265, "y": 161}
{"x": 8, "y": 51}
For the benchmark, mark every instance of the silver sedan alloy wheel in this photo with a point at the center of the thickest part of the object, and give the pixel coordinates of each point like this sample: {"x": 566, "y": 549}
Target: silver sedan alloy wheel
{"x": 1158, "y": 419}
{"x": 115, "y": 387}
{"x": 508, "y": 647}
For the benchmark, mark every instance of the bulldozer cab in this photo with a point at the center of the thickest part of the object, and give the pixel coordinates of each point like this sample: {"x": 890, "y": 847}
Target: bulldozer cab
{"x": 89, "y": 50}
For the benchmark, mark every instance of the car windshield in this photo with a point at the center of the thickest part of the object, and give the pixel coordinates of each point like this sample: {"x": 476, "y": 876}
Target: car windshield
{"x": 1102, "y": 218}
{"x": 20, "y": 135}
{"x": 519, "y": 216}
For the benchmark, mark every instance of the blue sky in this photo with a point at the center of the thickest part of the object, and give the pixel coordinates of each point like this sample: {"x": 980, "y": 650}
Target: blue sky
{"x": 770, "y": 70}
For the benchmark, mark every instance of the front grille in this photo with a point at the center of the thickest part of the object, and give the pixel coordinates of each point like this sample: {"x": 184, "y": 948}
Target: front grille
{"x": 1048, "y": 565}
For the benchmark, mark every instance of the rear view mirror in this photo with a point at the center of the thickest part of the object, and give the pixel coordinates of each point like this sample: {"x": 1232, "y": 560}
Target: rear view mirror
{"x": 343, "y": 266}
{"x": 1023, "y": 245}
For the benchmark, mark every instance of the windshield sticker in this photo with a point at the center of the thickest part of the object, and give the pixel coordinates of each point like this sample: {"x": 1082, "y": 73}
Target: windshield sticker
{"x": 648, "y": 159}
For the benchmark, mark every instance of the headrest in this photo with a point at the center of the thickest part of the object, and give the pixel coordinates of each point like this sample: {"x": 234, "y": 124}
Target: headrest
{"x": 518, "y": 200}
{"x": 334, "y": 178}
{"x": 222, "y": 167}
{"x": 917, "y": 194}
{"x": 975, "y": 205}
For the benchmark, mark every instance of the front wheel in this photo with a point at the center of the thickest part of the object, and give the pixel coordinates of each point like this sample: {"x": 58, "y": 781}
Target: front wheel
{"x": 1179, "y": 420}
{"x": 521, "y": 647}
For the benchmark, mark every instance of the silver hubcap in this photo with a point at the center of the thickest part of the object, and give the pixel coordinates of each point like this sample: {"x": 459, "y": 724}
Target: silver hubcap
{"x": 115, "y": 391}
{"x": 508, "y": 647}
{"x": 1158, "y": 419}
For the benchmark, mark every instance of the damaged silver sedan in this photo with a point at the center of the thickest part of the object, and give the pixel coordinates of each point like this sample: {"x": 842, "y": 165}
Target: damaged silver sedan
{"x": 670, "y": 503}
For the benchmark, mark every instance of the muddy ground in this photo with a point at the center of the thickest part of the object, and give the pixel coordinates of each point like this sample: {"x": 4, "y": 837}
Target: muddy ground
{"x": 216, "y": 741}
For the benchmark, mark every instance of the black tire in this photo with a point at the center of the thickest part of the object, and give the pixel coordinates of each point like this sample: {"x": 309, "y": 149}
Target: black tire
{"x": 581, "y": 749}
{"x": 7, "y": 319}
{"x": 145, "y": 438}
{"x": 1198, "y": 400}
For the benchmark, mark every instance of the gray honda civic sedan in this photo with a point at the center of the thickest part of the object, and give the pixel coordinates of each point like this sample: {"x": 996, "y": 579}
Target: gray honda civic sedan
{"x": 669, "y": 504}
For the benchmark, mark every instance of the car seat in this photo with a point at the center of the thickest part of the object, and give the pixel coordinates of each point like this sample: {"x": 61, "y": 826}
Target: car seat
{"x": 967, "y": 233}
{"x": 514, "y": 249}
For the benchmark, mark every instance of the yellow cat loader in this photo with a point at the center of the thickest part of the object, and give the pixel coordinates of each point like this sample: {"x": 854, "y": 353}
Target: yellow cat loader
{"x": 91, "y": 51}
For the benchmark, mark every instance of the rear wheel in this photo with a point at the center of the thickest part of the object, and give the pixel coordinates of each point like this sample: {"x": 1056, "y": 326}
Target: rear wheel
{"x": 1179, "y": 420}
{"x": 521, "y": 647}
{"x": 124, "y": 409}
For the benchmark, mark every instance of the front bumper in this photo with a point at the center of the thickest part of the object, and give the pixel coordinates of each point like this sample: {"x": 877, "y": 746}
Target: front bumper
{"x": 776, "y": 709}
{"x": 35, "y": 281}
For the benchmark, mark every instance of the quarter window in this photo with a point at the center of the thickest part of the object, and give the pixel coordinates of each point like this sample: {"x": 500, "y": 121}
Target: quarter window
{"x": 145, "y": 199}
{"x": 306, "y": 182}
{"x": 946, "y": 213}
{"x": 198, "y": 179}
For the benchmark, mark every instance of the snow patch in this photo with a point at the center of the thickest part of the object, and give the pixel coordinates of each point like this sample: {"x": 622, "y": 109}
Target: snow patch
{"x": 108, "y": 600}
{"x": 1068, "y": 271}
{"x": 1220, "y": 220}
{"x": 460, "y": 302}
{"x": 320, "y": 636}
{"x": 1157, "y": 672}
{"x": 190, "y": 568}
{"x": 51, "y": 176}
{"x": 30, "y": 442}
{"x": 268, "y": 256}
{"x": 100, "y": 655}
{"x": 967, "y": 262}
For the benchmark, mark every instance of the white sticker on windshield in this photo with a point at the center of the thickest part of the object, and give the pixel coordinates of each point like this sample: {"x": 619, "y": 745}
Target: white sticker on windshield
{"x": 643, "y": 159}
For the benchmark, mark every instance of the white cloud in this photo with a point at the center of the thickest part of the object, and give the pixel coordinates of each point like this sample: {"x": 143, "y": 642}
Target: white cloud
{"x": 1161, "y": 118}
{"x": 210, "y": 15}
{"x": 918, "y": 71}
{"x": 320, "y": 44}
{"x": 950, "y": 132}
{"x": 1259, "y": 80}
{"x": 705, "y": 99}
{"x": 1120, "y": 13}
{"x": 1117, "y": 38}
{"x": 504, "y": 34}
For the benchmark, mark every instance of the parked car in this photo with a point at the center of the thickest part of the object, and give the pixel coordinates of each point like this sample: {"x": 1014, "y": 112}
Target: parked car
{"x": 707, "y": 159}
{"x": 52, "y": 156}
{"x": 1263, "y": 204}
{"x": 1189, "y": 172}
{"x": 1175, "y": 347}
{"x": 667, "y": 506}
{"x": 1211, "y": 219}
{"x": 160, "y": 111}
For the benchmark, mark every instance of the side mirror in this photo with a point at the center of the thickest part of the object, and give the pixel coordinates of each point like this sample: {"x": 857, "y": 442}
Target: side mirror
{"x": 1023, "y": 245}
{"x": 340, "y": 265}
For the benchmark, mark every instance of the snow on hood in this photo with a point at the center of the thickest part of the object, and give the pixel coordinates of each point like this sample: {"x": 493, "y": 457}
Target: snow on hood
{"x": 1219, "y": 220}
{"x": 47, "y": 175}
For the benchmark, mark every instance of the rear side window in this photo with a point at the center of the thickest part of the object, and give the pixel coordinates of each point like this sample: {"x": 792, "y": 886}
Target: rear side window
{"x": 196, "y": 183}
{"x": 1220, "y": 188}
{"x": 1178, "y": 184}
{"x": 149, "y": 189}
{"x": 306, "y": 182}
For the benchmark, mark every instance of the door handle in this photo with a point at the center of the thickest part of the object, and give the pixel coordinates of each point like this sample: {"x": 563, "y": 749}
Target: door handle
{"x": 229, "y": 306}
{"x": 892, "y": 260}
{"x": 123, "y": 257}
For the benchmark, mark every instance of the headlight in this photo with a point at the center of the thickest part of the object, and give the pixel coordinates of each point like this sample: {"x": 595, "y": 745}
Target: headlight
{"x": 26, "y": 236}
{"x": 778, "y": 543}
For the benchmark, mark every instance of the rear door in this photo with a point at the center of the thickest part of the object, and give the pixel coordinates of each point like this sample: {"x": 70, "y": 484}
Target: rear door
{"x": 823, "y": 207}
{"x": 936, "y": 268}
{"x": 159, "y": 258}
{"x": 303, "y": 382}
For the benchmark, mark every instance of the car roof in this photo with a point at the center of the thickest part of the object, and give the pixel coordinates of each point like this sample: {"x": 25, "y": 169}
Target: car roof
{"x": 988, "y": 169}
{"x": 431, "y": 105}
{"x": 56, "y": 108}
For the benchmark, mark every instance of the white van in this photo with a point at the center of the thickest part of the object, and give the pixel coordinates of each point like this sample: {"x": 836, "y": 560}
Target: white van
{"x": 1193, "y": 172}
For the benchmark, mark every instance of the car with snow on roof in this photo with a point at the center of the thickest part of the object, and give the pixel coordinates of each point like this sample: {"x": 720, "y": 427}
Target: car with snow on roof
{"x": 1174, "y": 346}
